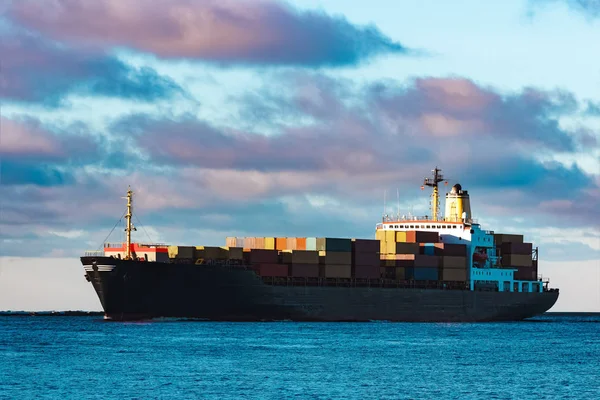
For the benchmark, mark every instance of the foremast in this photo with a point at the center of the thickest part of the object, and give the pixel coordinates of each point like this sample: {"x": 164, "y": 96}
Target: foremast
{"x": 129, "y": 225}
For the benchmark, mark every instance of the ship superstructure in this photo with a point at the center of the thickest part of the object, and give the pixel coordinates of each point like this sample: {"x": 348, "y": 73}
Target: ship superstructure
{"x": 484, "y": 266}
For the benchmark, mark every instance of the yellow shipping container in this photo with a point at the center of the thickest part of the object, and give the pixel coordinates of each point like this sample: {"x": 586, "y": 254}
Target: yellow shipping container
{"x": 173, "y": 250}
{"x": 390, "y": 236}
{"x": 269, "y": 243}
{"x": 382, "y": 247}
{"x": 401, "y": 237}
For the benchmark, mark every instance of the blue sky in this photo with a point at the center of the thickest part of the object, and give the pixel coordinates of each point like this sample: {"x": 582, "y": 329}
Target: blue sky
{"x": 294, "y": 118}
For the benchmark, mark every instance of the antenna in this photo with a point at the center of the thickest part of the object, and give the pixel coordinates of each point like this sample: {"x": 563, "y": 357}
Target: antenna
{"x": 384, "y": 194}
{"x": 437, "y": 178}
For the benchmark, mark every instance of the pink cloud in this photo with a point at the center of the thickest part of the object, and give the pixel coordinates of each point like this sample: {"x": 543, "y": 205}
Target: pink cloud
{"x": 254, "y": 31}
{"x": 19, "y": 139}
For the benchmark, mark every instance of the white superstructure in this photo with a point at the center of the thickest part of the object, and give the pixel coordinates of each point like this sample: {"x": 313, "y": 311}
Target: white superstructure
{"x": 483, "y": 264}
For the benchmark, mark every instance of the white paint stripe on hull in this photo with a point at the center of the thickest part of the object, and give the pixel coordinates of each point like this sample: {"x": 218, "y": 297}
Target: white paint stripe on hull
{"x": 101, "y": 268}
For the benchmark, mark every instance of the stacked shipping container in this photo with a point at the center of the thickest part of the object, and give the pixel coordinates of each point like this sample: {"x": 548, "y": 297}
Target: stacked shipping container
{"x": 516, "y": 254}
{"x": 409, "y": 255}
{"x": 365, "y": 259}
{"x": 453, "y": 262}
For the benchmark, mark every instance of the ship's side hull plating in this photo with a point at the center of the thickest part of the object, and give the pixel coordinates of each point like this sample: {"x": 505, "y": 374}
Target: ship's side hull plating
{"x": 140, "y": 290}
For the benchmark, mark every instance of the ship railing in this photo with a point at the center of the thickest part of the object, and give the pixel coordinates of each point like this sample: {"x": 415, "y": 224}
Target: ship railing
{"x": 94, "y": 253}
{"x": 404, "y": 218}
{"x": 113, "y": 245}
{"x": 120, "y": 245}
{"x": 152, "y": 244}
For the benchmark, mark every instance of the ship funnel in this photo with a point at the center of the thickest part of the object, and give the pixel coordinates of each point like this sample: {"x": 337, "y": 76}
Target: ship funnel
{"x": 458, "y": 205}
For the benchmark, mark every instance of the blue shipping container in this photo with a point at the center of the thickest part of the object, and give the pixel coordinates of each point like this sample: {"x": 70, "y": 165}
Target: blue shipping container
{"x": 428, "y": 249}
{"x": 422, "y": 274}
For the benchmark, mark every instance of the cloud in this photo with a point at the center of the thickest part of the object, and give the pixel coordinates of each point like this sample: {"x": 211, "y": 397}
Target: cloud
{"x": 44, "y": 155}
{"x": 484, "y": 137}
{"x": 588, "y": 8}
{"x": 459, "y": 109}
{"x": 593, "y": 109}
{"x": 324, "y": 166}
{"x": 38, "y": 70}
{"x": 226, "y": 32}
{"x": 33, "y": 155}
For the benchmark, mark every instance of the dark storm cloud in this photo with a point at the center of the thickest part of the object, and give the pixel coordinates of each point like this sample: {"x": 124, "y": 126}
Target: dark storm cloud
{"x": 225, "y": 32}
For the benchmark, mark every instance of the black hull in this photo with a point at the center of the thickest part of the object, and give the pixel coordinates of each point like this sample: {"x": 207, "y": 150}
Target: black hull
{"x": 133, "y": 290}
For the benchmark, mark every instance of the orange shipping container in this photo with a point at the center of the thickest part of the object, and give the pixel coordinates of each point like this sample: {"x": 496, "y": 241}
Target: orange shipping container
{"x": 259, "y": 242}
{"x": 301, "y": 243}
{"x": 280, "y": 243}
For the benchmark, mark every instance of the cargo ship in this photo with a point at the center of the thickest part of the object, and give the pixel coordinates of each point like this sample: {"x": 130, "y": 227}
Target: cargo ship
{"x": 415, "y": 269}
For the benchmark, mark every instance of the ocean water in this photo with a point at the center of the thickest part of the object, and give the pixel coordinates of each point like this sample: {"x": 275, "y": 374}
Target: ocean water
{"x": 553, "y": 356}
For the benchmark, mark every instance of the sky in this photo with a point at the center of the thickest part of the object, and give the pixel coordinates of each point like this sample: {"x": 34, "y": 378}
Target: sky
{"x": 299, "y": 118}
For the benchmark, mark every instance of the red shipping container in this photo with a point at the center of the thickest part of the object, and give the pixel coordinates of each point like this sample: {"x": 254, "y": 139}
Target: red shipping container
{"x": 260, "y": 256}
{"x": 273, "y": 270}
{"x": 304, "y": 270}
{"x": 365, "y": 245}
{"x": 366, "y": 271}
